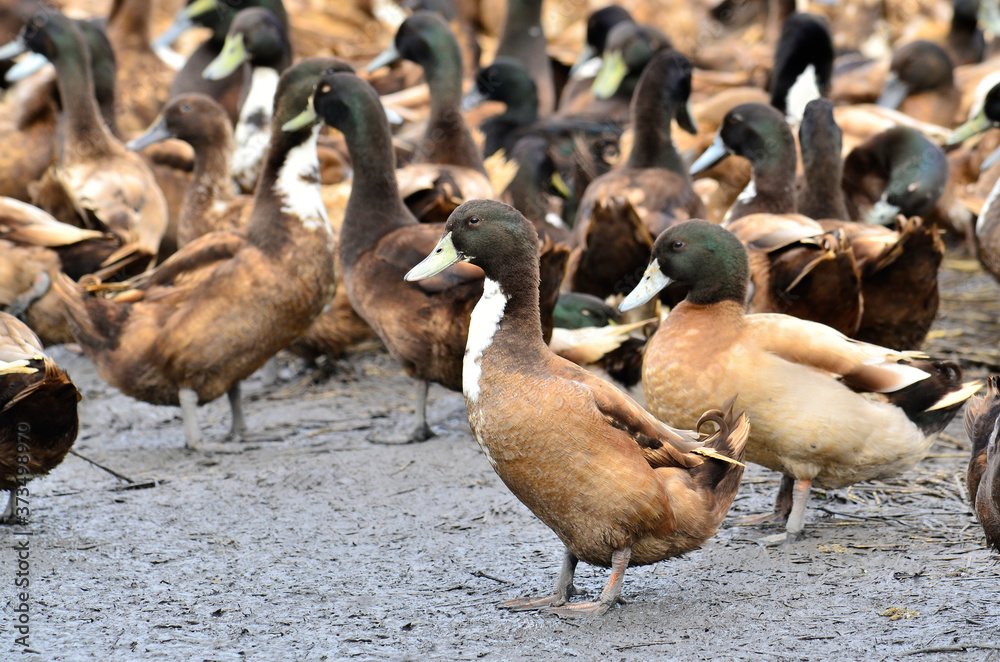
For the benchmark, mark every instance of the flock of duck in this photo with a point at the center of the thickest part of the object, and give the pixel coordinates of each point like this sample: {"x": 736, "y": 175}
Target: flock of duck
{"x": 799, "y": 291}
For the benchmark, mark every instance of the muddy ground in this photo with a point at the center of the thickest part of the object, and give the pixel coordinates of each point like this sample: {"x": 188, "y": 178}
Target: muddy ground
{"x": 312, "y": 543}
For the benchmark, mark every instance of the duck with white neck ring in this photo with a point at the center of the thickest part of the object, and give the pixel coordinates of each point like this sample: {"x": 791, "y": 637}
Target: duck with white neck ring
{"x": 618, "y": 487}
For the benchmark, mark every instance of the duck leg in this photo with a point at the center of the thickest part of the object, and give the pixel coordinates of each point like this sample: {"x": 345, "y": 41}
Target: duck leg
{"x": 189, "y": 412}
{"x": 610, "y": 596}
{"x": 239, "y": 427}
{"x": 782, "y": 507}
{"x": 421, "y": 431}
{"x": 564, "y": 590}
{"x": 797, "y": 518}
{"x": 8, "y": 512}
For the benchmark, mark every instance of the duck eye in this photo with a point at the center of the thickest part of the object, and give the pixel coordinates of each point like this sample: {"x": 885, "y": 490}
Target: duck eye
{"x": 185, "y": 108}
{"x": 677, "y": 245}
{"x": 474, "y": 220}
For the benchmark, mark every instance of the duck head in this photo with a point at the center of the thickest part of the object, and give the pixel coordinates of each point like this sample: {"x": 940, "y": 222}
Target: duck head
{"x": 987, "y": 118}
{"x": 918, "y": 66}
{"x": 628, "y": 50}
{"x": 216, "y": 15}
{"x": 424, "y": 38}
{"x": 706, "y": 258}
{"x": 803, "y": 64}
{"x": 505, "y": 80}
{"x": 197, "y": 119}
{"x": 256, "y": 36}
{"x": 755, "y": 131}
{"x": 599, "y": 25}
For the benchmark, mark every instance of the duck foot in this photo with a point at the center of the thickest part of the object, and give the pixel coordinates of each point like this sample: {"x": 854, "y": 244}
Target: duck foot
{"x": 564, "y": 590}
{"x": 421, "y": 431}
{"x": 8, "y": 516}
{"x": 782, "y": 508}
{"x": 610, "y": 596}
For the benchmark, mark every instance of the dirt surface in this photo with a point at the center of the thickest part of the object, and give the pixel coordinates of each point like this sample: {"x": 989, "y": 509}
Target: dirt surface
{"x": 311, "y": 543}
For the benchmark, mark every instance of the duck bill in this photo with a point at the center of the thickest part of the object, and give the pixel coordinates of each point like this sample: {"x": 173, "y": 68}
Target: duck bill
{"x": 990, "y": 160}
{"x": 12, "y": 49}
{"x": 711, "y": 157}
{"x": 394, "y": 118}
{"x": 883, "y": 213}
{"x": 158, "y": 132}
{"x": 384, "y": 59}
{"x": 443, "y": 256}
{"x": 685, "y": 119}
{"x": 229, "y": 59}
{"x": 584, "y": 61}
{"x": 304, "y": 119}
{"x": 180, "y": 25}
{"x": 559, "y": 186}
{"x": 893, "y": 92}
{"x": 472, "y": 99}
{"x": 25, "y": 67}
{"x": 652, "y": 282}
{"x": 973, "y": 127}
{"x": 610, "y": 77}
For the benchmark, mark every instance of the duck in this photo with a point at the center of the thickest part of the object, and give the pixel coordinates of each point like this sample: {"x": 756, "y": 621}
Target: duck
{"x": 982, "y": 425}
{"x": 880, "y": 180}
{"x": 921, "y": 83}
{"x": 95, "y": 180}
{"x": 449, "y": 162}
{"x": 629, "y": 47}
{"x": 217, "y": 16}
{"x": 523, "y": 38}
{"x": 759, "y": 133}
{"x": 798, "y": 380}
{"x": 215, "y": 311}
{"x": 38, "y": 402}
{"x": 423, "y": 326}
{"x": 588, "y": 62}
{"x": 258, "y": 37}
{"x": 210, "y": 202}
{"x": 619, "y": 488}
{"x": 622, "y": 211}
{"x": 820, "y": 195}
{"x": 537, "y": 190}
{"x": 129, "y": 31}
{"x": 803, "y": 64}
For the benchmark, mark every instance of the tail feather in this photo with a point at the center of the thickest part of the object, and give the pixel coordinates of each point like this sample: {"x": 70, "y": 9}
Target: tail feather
{"x": 728, "y": 445}
{"x": 94, "y": 321}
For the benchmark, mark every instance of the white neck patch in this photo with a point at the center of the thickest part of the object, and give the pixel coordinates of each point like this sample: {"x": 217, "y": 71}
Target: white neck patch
{"x": 251, "y": 139}
{"x": 803, "y": 90}
{"x": 485, "y": 321}
{"x": 298, "y": 185}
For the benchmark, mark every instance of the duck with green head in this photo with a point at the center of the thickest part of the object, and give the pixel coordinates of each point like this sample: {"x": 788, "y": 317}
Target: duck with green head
{"x": 618, "y": 487}
{"x": 258, "y": 37}
{"x": 217, "y": 16}
{"x": 423, "y": 325}
{"x": 219, "y": 308}
{"x": 825, "y": 409}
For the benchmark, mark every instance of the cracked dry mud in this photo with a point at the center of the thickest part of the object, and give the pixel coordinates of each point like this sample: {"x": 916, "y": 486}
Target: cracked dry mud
{"x": 311, "y": 543}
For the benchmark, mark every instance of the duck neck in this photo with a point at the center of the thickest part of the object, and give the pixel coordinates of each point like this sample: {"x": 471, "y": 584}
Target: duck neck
{"x": 85, "y": 128}
{"x": 506, "y": 323}
{"x": 374, "y": 207}
{"x": 212, "y": 180}
{"x": 773, "y": 178}
{"x": 653, "y": 146}
{"x": 447, "y": 139}
{"x": 129, "y": 24}
{"x": 822, "y": 195}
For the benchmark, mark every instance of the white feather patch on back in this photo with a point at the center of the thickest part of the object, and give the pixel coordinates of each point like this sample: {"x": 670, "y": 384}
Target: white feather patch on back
{"x": 252, "y": 140}
{"x": 485, "y": 321}
{"x": 298, "y": 188}
{"x": 803, "y": 90}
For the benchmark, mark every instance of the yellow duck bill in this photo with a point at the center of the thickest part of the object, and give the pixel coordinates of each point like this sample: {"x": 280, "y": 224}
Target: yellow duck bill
{"x": 443, "y": 256}
{"x": 610, "y": 77}
{"x": 973, "y": 127}
{"x": 229, "y": 59}
{"x": 652, "y": 282}
{"x": 304, "y": 119}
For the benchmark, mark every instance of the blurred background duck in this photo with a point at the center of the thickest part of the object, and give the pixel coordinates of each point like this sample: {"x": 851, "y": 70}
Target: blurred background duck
{"x": 213, "y": 313}
{"x": 217, "y": 16}
{"x": 982, "y": 424}
{"x": 101, "y": 185}
{"x": 255, "y": 36}
{"x": 449, "y": 162}
{"x": 38, "y": 408}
